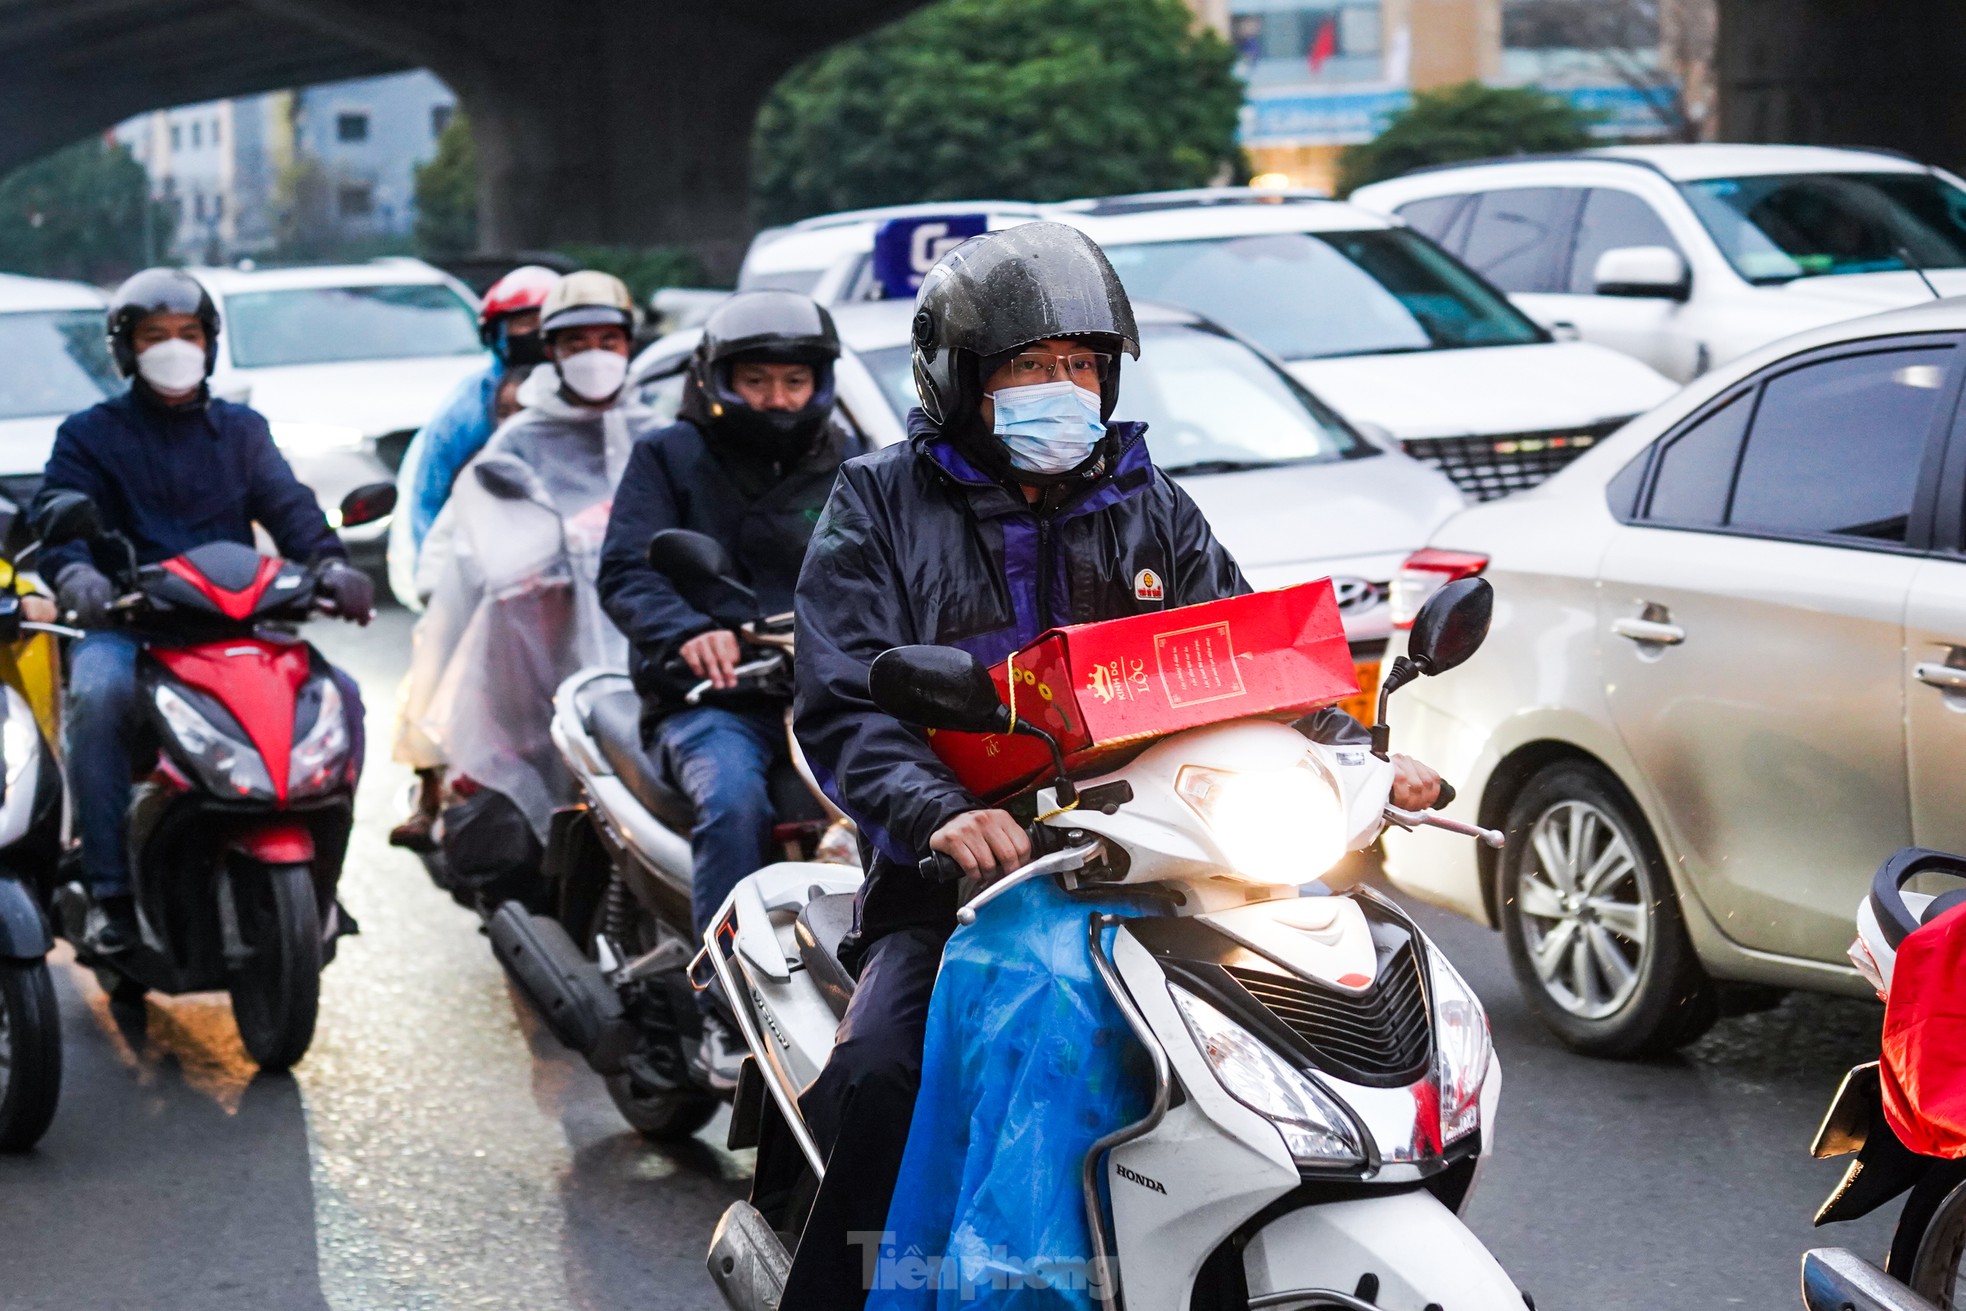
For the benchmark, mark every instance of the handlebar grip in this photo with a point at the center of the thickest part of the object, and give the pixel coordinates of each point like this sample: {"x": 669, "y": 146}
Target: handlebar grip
{"x": 940, "y": 867}
{"x": 1446, "y": 797}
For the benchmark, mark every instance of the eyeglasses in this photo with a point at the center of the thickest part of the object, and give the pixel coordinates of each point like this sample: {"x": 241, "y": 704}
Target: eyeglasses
{"x": 1081, "y": 367}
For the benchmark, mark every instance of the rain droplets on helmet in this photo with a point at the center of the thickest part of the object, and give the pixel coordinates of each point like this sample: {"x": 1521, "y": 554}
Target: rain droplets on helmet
{"x": 766, "y": 327}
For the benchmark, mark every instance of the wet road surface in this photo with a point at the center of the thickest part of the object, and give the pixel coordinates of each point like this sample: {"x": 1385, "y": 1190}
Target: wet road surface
{"x": 435, "y": 1151}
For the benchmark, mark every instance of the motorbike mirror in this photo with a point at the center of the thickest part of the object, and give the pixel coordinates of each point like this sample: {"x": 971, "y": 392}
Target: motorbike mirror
{"x": 683, "y": 556}
{"x": 937, "y": 687}
{"x": 1451, "y": 625}
{"x": 504, "y": 477}
{"x": 368, "y": 504}
{"x": 69, "y": 517}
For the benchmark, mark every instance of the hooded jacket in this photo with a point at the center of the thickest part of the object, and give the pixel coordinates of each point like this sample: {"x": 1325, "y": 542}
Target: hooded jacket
{"x": 761, "y": 513}
{"x": 171, "y": 477}
{"x": 918, "y": 545}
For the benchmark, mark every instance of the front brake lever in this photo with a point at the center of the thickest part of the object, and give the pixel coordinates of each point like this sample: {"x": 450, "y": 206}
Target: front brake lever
{"x": 1412, "y": 819}
{"x": 1058, "y": 862}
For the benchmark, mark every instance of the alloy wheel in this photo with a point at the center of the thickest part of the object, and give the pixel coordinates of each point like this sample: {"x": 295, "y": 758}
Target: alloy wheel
{"x": 1585, "y": 902}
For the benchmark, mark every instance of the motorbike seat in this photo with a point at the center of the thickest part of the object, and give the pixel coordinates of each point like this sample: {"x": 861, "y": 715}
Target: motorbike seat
{"x": 821, "y": 926}
{"x": 615, "y": 720}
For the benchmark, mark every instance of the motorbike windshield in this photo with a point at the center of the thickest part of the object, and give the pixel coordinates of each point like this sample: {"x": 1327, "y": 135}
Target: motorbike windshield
{"x": 1784, "y": 226}
{"x": 1211, "y": 404}
{"x": 1305, "y": 295}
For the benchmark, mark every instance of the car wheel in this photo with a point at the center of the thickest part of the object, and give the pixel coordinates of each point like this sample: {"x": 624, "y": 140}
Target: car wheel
{"x": 1593, "y": 928}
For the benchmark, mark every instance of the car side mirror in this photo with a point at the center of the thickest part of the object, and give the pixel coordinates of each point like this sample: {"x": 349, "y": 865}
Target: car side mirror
{"x": 1451, "y": 625}
{"x": 939, "y": 687}
{"x": 367, "y": 504}
{"x": 1655, "y": 272}
{"x": 69, "y": 517}
{"x": 703, "y": 574}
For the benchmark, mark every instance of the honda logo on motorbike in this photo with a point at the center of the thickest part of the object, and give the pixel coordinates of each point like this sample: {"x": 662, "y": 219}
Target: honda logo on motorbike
{"x": 1140, "y": 1179}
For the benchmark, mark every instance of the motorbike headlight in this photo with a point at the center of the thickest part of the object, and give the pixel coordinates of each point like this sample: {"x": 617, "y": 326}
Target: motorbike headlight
{"x": 1462, "y": 1049}
{"x": 1315, "y": 1130}
{"x": 1273, "y": 825}
{"x": 319, "y": 758}
{"x": 224, "y": 764}
{"x": 20, "y": 742}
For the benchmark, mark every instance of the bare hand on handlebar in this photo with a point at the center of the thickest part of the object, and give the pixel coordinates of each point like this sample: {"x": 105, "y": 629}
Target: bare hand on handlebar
{"x": 713, "y": 656}
{"x": 983, "y": 842}
{"x": 1415, "y": 785}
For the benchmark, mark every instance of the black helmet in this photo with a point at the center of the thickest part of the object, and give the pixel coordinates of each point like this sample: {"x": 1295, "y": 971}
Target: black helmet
{"x": 998, "y": 293}
{"x": 158, "y": 291}
{"x": 764, "y": 327}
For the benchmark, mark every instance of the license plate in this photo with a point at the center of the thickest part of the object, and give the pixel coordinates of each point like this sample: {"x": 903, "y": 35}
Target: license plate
{"x": 1366, "y": 704}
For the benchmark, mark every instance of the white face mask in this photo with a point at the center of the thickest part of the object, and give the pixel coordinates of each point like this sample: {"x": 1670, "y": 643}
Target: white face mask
{"x": 173, "y": 366}
{"x": 595, "y": 375}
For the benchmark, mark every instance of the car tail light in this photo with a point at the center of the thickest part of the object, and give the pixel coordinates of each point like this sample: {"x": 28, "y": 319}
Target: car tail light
{"x": 1425, "y": 572}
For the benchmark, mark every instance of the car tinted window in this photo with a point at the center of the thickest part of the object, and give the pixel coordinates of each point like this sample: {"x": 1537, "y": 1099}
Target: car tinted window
{"x": 1836, "y": 446}
{"x": 1780, "y": 227}
{"x": 1303, "y": 294}
{"x": 55, "y": 362}
{"x": 1696, "y": 468}
{"x": 1516, "y": 236}
{"x": 1611, "y": 220}
{"x": 1432, "y": 216}
{"x": 325, "y": 325}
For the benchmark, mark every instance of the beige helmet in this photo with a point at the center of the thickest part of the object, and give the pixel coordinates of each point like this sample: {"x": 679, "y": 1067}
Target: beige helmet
{"x": 587, "y": 297}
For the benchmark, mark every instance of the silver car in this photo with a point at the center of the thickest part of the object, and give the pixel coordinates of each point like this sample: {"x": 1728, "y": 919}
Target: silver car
{"x": 1727, "y": 678}
{"x": 1290, "y": 488}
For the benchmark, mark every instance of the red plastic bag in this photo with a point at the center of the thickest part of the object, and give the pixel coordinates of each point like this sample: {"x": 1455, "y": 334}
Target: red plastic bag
{"x": 1924, "y": 1064}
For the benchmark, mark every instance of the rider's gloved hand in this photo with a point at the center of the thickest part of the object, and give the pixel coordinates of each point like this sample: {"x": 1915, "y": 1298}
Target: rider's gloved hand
{"x": 350, "y": 590}
{"x": 84, "y": 595}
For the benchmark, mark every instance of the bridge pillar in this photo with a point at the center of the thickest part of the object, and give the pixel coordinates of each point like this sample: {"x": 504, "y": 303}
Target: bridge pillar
{"x": 1845, "y": 73}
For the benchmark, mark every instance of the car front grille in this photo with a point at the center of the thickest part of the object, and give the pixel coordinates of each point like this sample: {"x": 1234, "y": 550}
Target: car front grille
{"x": 1492, "y": 466}
{"x": 1378, "y": 1037}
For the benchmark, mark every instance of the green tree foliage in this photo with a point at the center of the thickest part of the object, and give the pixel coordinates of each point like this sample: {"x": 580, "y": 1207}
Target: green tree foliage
{"x": 1469, "y": 121}
{"x": 1026, "y": 99}
{"x": 80, "y": 213}
{"x": 447, "y": 194}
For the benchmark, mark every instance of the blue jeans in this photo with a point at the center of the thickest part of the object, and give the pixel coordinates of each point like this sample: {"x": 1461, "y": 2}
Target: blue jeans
{"x": 105, "y": 727}
{"x": 721, "y": 760}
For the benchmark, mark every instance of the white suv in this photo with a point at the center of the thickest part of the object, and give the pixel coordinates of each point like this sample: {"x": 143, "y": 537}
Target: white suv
{"x": 1689, "y": 256}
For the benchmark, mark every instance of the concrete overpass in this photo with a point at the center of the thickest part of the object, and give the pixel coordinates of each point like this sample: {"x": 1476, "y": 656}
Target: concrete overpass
{"x": 621, "y": 121}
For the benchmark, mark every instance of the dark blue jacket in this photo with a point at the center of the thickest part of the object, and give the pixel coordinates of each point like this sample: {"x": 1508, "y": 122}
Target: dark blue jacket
{"x": 919, "y": 545}
{"x": 173, "y": 477}
{"x": 762, "y": 514}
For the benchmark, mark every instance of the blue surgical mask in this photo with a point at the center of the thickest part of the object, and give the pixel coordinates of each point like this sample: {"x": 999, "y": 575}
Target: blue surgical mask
{"x": 1049, "y": 427}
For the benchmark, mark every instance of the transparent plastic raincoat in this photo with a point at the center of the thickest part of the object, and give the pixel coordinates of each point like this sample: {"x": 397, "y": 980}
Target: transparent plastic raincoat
{"x": 509, "y": 570}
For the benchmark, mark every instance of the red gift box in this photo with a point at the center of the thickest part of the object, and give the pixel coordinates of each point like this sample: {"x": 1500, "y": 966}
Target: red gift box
{"x": 1109, "y": 687}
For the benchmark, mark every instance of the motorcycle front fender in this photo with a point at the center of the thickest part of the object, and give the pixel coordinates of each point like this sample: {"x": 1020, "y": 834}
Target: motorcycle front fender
{"x": 1884, "y": 1167}
{"x": 1418, "y": 1250}
{"x": 23, "y": 930}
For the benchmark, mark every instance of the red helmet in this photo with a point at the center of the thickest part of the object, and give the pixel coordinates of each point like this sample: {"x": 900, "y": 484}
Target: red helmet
{"x": 524, "y": 288}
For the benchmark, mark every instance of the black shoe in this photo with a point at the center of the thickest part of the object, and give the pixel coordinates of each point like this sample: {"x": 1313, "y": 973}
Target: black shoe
{"x": 112, "y": 927}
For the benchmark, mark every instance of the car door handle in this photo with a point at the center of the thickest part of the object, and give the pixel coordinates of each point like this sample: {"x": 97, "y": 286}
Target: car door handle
{"x": 1948, "y": 677}
{"x": 1649, "y": 630}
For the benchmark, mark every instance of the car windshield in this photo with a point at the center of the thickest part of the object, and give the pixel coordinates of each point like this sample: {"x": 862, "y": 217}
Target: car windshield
{"x": 56, "y": 362}
{"x": 327, "y": 325}
{"x": 1784, "y": 226}
{"x": 1302, "y": 295}
{"x": 1211, "y": 405}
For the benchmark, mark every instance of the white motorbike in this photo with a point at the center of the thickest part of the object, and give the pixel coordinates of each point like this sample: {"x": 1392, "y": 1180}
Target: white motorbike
{"x": 1324, "y": 1084}
{"x": 606, "y": 967}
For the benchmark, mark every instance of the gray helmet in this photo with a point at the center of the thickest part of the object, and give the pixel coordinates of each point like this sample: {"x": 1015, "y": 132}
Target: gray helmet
{"x": 158, "y": 291}
{"x": 999, "y": 292}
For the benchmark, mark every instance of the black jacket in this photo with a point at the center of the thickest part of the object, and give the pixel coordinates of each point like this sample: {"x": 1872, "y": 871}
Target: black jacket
{"x": 762, "y": 514}
{"x": 173, "y": 477}
{"x": 918, "y": 545}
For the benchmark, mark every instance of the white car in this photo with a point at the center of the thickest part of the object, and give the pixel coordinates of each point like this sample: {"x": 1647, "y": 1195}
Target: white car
{"x": 1726, "y": 679}
{"x": 346, "y": 362}
{"x": 1688, "y": 256}
{"x": 1380, "y": 323}
{"x": 54, "y": 361}
{"x": 1289, "y": 488}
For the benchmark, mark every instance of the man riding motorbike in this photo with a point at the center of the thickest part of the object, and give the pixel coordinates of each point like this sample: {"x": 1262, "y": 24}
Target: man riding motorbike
{"x": 749, "y": 463}
{"x": 1015, "y": 506}
{"x": 170, "y": 467}
{"x": 508, "y": 324}
{"x": 512, "y": 605}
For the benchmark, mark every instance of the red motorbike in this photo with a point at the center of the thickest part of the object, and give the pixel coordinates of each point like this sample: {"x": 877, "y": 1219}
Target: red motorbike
{"x": 237, "y": 832}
